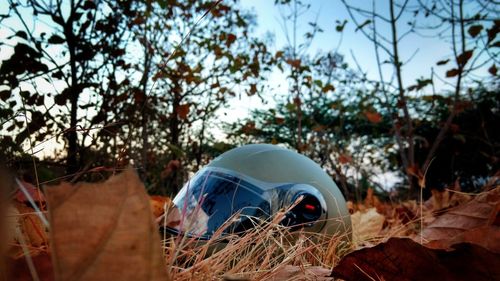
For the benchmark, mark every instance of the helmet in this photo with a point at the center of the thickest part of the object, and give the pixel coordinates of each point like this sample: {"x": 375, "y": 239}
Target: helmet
{"x": 253, "y": 183}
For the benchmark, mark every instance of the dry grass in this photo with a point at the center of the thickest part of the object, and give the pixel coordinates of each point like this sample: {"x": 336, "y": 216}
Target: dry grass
{"x": 259, "y": 254}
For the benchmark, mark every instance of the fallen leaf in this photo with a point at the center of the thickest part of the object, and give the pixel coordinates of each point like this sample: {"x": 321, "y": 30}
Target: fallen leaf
{"x": 18, "y": 268}
{"x": 32, "y": 191}
{"x": 31, "y": 226}
{"x": 404, "y": 260}
{"x": 366, "y": 225}
{"x": 104, "y": 231}
{"x": 371, "y": 200}
{"x": 159, "y": 204}
{"x": 482, "y": 211}
{"x": 487, "y": 237}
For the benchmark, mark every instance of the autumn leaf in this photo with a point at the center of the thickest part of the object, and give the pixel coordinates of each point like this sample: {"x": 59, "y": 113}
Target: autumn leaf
{"x": 474, "y": 30}
{"x": 442, "y": 62}
{"x": 294, "y": 63}
{"x": 32, "y": 228}
{"x": 104, "y": 231}
{"x": 230, "y": 38}
{"x": 159, "y": 204}
{"x": 183, "y": 111}
{"x": 18, "y": 269}
{"x": 404, "y": 260}
{"x": 373, "y": 116}
{"x": 366, "y": 225}
{"x": 463, "y": 58}
{"x": 253, "y": 90}
{"x": 279, "y": 120}
{"x": 327, "y": 88}
{"x": 344, "y": 159}
{"x": 35, "y": 193}
{"x": 493, "y": 70}
{"x": 452, "y": 72}
{"x": 480, "y": 212}
{"x": 487, "y": 237}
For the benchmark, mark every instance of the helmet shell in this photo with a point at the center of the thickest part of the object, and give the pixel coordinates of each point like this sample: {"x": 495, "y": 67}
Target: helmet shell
{"x": 274, "y": 164}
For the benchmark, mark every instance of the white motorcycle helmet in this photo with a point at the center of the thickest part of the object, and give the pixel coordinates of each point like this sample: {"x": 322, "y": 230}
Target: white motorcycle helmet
{"x": 252, "y": 183}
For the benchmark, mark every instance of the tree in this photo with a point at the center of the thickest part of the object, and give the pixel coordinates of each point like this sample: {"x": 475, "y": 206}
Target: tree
{"x": 48, "y": 74}
{"x": 400, "y": 99}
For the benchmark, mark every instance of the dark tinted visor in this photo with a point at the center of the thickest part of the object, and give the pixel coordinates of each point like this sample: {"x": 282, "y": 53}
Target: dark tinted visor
{"x": 213, "y": 199}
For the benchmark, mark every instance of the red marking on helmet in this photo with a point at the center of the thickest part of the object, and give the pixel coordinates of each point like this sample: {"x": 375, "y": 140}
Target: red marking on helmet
{"x": 310, "y": 207}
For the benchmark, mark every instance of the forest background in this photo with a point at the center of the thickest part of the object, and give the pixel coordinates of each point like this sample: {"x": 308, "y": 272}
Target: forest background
{"x": 405, "y": 91}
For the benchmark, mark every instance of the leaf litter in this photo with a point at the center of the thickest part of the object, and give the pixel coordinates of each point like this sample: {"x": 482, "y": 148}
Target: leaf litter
{"x": 108, "y": 230}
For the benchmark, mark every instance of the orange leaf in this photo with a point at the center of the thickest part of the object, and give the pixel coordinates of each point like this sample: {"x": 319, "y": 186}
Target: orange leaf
{"x": 183, "y": 111}
{"x": 159, "y": 204}
{"x": 35, "y": 193}
{"x": 344, "y": 159}
{"x": 230, "y": 39}
{"x": 294, "y": 63}
{"x": 373, "y": 117}
{"x": 104, "y": 231}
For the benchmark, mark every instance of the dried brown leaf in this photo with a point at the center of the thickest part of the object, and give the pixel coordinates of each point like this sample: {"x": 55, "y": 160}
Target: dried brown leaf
{"x": 487, "y": 237}
{"x": 403, "y": 259}
{"x": 104, "y": 231}
{"x": 18, "y": 268}
{"x": 480, "y": 212}
{"x": 366, "y": 225}
{"x": 35, "y": 233}
{"x": 183, "y": 111}
{"x": 373, "y": 116}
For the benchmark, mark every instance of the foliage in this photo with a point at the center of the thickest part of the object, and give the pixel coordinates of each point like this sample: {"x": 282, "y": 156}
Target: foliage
{"x": 129, "y": 81}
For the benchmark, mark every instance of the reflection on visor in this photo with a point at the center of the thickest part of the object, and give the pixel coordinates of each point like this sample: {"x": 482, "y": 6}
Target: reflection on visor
{"x": 210, "y": 198}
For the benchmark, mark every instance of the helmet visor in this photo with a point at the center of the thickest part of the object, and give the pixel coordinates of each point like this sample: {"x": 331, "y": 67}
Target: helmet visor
{"x": 211, "y": 198}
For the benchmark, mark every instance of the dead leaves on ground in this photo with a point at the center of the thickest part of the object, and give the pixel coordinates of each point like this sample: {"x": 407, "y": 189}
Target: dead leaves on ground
{"x": 102, "y": 231}
{"x": 475, "y": 221}
{"x": 405, "y": 260}
{"x": 107, "y": 231}
{"x": 461, "y": 243}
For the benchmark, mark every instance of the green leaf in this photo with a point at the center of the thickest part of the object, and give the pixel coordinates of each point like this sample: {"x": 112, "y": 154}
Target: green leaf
{"x": 340, "y": 26}
{"x": 365, "y": 23}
